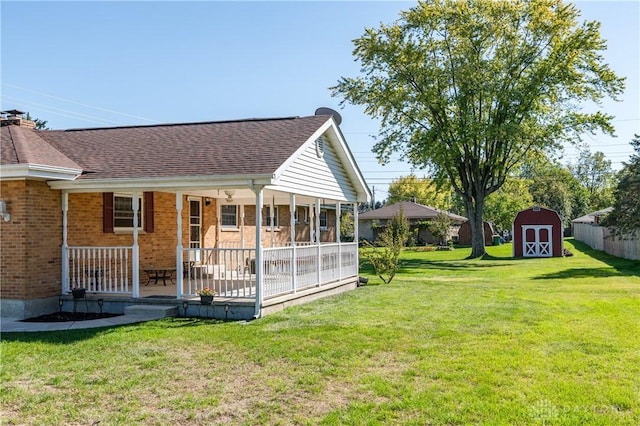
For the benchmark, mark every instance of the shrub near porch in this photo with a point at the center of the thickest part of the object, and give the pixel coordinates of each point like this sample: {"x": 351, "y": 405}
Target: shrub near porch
{"x": 449, "y": 341}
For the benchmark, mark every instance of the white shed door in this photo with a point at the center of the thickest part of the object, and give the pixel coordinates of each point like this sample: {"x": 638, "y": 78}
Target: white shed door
{"x": 536, "y": 241}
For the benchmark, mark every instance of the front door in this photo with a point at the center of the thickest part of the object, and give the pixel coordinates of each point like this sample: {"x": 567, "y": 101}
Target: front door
{"x": 536, "y": 241}
{"x": 195, "y": 227}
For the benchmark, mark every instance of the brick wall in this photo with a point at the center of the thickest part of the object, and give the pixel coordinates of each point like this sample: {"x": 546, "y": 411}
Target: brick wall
{"x": 30, "y": 241}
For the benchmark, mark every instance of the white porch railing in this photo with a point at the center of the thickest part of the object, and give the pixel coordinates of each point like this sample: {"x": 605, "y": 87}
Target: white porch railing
{"x": 336, "y": 262}
{"x": 229, "y": 271}
{"x": 100, "y": 269}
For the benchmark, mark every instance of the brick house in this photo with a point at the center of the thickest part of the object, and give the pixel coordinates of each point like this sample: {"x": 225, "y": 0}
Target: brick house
{"x": 110, "y": 209}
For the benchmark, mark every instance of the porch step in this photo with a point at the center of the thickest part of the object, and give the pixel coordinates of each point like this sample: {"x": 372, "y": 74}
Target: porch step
{"x": 151, "y": 311}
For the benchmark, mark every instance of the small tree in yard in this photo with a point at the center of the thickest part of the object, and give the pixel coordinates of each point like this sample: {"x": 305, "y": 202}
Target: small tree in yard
{"x": 440, "y": 227}
{"x": 385, "y": 255}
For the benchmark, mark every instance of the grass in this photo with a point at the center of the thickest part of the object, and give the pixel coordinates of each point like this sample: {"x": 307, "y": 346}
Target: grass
{"x": 450, "y": 341}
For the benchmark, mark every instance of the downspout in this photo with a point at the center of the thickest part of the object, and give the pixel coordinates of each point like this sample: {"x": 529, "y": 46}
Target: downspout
{"x": 135, "y": 267}
{"x": 258, "y": 190}
{"x": 179, "y": 247}
{"x": 65, "y": 245}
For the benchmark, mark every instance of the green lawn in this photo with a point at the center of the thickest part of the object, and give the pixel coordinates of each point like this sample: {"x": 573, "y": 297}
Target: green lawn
{"x": 449, "y": 341}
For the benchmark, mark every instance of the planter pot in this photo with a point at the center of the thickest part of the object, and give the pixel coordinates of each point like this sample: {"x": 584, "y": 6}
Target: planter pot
{"x": 206, "y": 300}
{"x": 79, "y": 293}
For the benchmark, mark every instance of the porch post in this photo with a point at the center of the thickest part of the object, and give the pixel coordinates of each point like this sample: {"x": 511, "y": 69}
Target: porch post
{"x": 318, "y": 258}
{"x": 312, "y": 221}
{"x": 356, "y": 239}
{"x": 292, "y": 227}
{"x": 338, "y": 238}
{"x": 135, "y": 267}
{"x": 241, "y": 225}
{"x": 179, "y": 247}
{"x": 272, "y": 212}
{"x": 65, "y": 245}
{"x": 259, "y": 278}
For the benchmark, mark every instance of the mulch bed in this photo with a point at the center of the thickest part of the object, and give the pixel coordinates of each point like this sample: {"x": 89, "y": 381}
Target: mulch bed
{"x": 70, "y": 316}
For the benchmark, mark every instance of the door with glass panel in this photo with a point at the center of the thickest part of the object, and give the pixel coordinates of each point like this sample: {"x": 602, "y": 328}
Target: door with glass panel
{"x": 195, "y": 229}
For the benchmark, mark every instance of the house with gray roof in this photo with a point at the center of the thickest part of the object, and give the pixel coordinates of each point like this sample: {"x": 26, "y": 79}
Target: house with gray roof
{"x": 372, "y": 222}
{"x": 155, "y": 214}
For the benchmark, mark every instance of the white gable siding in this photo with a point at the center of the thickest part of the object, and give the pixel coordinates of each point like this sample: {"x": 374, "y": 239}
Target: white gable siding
{"x": 318, "y": 177}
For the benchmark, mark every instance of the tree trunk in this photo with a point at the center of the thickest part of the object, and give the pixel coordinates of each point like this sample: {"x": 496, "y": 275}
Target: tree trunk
{"x": 475, "y": 213}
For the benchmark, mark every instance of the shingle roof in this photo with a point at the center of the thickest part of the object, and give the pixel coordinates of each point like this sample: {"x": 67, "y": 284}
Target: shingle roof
{"x": 255, "y": 146}
{"x": 591, "y": 217}
{"x": 410, "y": 210}
{"x": 22, "y": 145}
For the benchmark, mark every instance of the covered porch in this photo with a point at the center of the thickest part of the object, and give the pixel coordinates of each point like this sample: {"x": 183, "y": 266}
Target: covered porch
{"x": 250, "y": 267}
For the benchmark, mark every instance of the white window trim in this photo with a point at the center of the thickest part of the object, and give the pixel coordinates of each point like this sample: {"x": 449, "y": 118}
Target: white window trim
{"x": 229, "y": 227}
{"x": 326, "y": 220}
{"x": 128, "y": 229}
{"x": 266, "y": 214}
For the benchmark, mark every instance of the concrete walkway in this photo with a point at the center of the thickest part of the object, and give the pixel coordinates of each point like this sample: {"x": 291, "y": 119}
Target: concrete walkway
{"x": 11, "y": 325}
{"x": 132, "y": 314}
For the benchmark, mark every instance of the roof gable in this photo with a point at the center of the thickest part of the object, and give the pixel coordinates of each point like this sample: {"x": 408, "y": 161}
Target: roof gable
{"x": 331, "y": 173}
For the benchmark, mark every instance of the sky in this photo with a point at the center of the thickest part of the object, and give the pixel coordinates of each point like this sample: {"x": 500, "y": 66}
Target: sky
{"x": 100, "y": 64}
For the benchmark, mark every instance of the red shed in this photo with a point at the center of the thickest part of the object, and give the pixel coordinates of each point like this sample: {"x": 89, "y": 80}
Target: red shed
{"x": 537, "y": 232}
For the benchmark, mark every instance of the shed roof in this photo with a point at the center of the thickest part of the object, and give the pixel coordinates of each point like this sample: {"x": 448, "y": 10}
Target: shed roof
{"x": 411, "y": 210}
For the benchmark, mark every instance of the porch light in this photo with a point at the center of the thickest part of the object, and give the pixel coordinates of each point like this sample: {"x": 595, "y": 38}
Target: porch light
{"x": 3, "y": 211}
{"x": 207, "y": 201}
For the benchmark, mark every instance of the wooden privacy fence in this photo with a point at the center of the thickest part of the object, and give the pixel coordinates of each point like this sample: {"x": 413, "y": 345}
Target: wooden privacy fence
{"x": 601, "y": 238}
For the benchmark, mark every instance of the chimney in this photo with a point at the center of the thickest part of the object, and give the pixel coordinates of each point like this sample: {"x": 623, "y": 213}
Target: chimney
{"x": 14, "y": 117}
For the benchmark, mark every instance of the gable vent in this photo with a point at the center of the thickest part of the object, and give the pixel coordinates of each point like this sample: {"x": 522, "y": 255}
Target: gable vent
{"x": 320, "y": 146}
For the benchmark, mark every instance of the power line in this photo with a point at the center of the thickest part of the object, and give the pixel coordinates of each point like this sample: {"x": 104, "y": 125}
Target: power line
{"x": 81, "y": 104}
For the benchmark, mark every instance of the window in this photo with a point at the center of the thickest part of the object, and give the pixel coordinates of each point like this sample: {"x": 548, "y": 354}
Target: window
{"x": 323, "y": 219}
{"x": 123, "y": 211}
{"x": 229, "y": 216}
{"x": 117, "y": 212}
{"x": 267, "y": 217}
{"x": 301, "y": 212}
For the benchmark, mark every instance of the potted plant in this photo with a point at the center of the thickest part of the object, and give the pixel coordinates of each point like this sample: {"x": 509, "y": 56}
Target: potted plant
{"x": 206, "y": 295}
{"x": 79, "y": 292}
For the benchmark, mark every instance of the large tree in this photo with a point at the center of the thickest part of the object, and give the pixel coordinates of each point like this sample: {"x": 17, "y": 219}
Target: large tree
{"x": 625, "y": 217}
{"x": 594, "y": 171}
{"x": 553, "y": 186}
{"x": 421, "y": 190}
{"x": 468, "y": 89}
{"x": 503, "y": 205}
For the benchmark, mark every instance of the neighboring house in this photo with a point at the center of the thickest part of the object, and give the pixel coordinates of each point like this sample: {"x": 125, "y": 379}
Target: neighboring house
{"x": 587, "y": 229}
{"x": 372, "y": 222}
{"x": 464, "y": 235}
{"x": 248, "y": 207}
{"x": 592, "y": 218}
{"x": 537, "y": 232}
